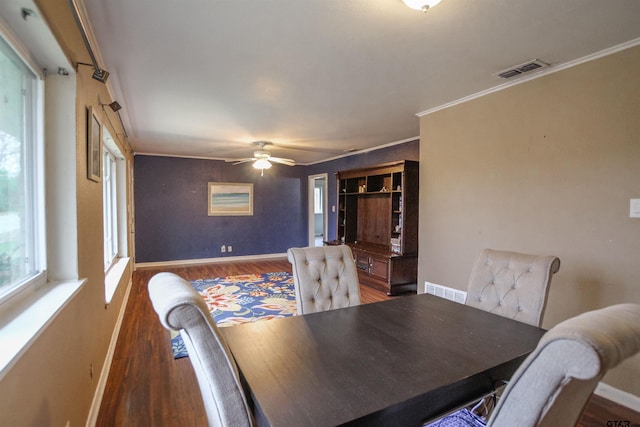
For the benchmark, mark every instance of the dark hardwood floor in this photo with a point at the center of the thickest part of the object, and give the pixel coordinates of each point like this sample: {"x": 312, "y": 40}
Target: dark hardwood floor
{"x": 147, "y": 387}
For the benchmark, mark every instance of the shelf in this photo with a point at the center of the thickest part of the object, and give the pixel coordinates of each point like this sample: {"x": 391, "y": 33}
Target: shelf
{"x": 366, "y": 193}
{"x": 368, "y": 220}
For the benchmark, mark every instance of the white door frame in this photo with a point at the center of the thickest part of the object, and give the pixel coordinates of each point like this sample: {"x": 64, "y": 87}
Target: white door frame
{"x": 325, "y": 205}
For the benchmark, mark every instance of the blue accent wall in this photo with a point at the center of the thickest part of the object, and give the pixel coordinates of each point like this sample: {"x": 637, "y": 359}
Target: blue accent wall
{"x": 171, "y": 194}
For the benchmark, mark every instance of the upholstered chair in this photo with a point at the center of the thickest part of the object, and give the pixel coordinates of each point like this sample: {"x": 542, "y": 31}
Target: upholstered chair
{"x": 512, "y": 284}
{"x": 324, "y": 277}
{"x": 181, "y": 308}
{"x": 553, "y": 385}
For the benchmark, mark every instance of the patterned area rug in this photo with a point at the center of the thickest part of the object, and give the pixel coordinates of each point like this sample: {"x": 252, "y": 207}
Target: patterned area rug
{"x": 460, "y": 418}
{"x": 241, "y": 299}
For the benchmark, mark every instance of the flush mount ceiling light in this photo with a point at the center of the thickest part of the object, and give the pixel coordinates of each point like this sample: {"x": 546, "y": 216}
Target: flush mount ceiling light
{"x": 421, "y": 5}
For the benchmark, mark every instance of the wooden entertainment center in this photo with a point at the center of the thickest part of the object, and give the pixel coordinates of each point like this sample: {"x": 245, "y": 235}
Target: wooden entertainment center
{"x": 378, "y": 219}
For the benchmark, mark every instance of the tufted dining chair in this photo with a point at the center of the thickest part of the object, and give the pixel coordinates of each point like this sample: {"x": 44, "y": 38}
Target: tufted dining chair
{"x": 553, "y": 385}
{"x": 181, "y": 308}
{"x": 325, "y": 278}
{"x": 512, "y": 284}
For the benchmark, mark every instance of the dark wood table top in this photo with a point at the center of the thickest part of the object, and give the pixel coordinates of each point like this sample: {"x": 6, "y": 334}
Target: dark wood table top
{"x": 396, "y": 362}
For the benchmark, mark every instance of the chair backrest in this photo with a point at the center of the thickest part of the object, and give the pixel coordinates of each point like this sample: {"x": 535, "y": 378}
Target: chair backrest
{"x": 181, "y": 308}
{"x": 324, "y": 277}
{"x": 553, "y": 385}
{"x": 512, "y": 284}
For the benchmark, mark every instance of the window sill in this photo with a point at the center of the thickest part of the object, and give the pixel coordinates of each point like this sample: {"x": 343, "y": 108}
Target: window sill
{"x": 24, "y": 319}
{"x": 113, "y": 277}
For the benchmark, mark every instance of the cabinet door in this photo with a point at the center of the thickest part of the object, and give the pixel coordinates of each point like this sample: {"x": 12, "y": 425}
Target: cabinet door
{"x": 379, "y": 267}
{"x": 362, "y": 261}
{"x": 374, "y": 219}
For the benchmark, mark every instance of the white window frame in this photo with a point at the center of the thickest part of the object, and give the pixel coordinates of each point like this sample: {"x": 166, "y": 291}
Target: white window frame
{"x": 110, "y": 207}
{"x": 30, "y": 308}
{"x": 34, "y": 177}
{"x": 114, "y": 192}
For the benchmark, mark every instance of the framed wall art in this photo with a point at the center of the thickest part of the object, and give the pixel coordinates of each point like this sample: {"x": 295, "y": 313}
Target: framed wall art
{"x": 94, "y": 146}
{"x": 230, "y": 199}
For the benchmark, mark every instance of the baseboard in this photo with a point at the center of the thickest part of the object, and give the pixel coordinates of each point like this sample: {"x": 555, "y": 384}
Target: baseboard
{"x": 104, "y": 373}
{"x": 618, "y": 396}
{"x": 160, "y": 264}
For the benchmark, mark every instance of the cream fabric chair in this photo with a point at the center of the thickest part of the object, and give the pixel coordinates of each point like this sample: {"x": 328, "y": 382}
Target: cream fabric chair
{"x": 512, "y": 284}
{"x": 553, "y": 385}
{"x": 181, "y": 308}
{"x": 324, "y": 277}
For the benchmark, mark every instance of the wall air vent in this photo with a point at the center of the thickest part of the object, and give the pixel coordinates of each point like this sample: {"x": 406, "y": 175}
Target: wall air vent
{"x": 536, "y": 64}
{"x": 445, "y": 292}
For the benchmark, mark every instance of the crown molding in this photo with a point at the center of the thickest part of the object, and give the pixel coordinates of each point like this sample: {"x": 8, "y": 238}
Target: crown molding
{"x": 552, "y": 69}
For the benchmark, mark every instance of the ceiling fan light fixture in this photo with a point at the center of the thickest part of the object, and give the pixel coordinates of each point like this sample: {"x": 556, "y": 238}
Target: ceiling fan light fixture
{"x": 262, "y": 164}
{"x": 421, "y": 5}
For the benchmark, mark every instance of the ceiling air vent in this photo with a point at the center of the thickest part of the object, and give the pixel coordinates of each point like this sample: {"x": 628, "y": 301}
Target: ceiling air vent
{"x": 536, "y": 64}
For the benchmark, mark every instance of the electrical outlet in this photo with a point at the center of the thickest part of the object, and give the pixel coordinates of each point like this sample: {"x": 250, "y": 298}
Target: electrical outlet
{"x": 230, "y": 248}
{"x": 223, "y": 249}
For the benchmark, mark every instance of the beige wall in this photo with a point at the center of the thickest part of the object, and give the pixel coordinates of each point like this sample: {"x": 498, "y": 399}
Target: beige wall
{"x": 548, "y": 167}
{"x": 51, "y": 384}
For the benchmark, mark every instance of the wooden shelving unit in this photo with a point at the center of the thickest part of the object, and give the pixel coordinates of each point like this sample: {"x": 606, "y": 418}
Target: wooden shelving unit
{"x": 378, "y": 219}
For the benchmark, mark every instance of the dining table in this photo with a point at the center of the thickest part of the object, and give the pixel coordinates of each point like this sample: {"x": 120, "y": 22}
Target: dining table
{"x": 398, "y": 362}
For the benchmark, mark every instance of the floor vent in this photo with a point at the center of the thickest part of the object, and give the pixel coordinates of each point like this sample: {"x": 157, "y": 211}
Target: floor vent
{"x": 536, "y": 64}
{"x": 445, "y": 292}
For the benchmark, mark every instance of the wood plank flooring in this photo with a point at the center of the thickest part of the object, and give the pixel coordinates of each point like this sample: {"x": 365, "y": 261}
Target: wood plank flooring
{"x": 147, "y": 387}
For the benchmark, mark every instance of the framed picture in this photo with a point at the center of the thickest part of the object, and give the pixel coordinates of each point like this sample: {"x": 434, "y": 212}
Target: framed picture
{"x": 230, "y": 199}
{"x": 94, "y": 146}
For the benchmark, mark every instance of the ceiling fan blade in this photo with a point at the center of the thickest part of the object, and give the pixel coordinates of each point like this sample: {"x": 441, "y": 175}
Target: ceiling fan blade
{"x": 239, "y": 161}
{"x": 311, "y": 149}
{"x": 280, "y": 160}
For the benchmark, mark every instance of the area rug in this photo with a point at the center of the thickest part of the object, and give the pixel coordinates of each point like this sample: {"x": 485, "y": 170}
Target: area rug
{"x": 242, "y": 299}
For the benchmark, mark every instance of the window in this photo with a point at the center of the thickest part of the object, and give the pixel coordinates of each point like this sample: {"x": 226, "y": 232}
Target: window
{"x": 34, "y": 248}
{"x": 21, "y": 219}
{"x": 110, "y": 213}
{"x": 114, "y": 178}
{"x": 317, "y": 200}
{"x": 110, "y": 199}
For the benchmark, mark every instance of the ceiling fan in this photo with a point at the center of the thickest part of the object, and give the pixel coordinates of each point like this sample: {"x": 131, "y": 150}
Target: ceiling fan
{"x": 262, "y": 159}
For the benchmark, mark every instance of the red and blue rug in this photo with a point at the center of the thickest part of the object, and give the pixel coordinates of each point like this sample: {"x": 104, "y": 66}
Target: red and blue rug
{"x": 242, "y": 299}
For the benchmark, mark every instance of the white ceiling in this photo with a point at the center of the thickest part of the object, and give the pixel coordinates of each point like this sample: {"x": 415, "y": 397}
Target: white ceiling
{"x": 205, "y": 78}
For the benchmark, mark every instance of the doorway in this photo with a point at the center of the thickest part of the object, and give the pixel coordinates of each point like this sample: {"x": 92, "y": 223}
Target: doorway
{"x": 318, "y": 216}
